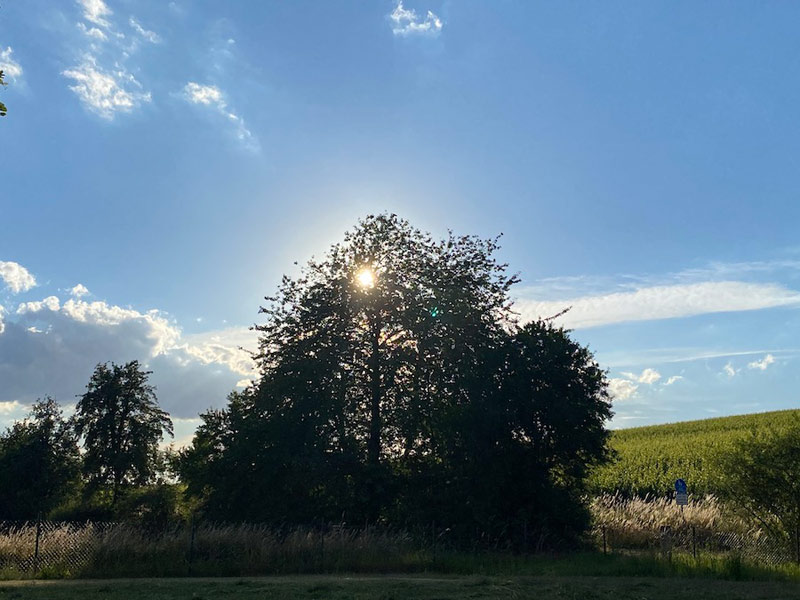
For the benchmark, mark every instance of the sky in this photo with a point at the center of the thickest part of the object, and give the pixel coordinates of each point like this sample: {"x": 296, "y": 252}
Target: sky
{"x": 165, "y": 163}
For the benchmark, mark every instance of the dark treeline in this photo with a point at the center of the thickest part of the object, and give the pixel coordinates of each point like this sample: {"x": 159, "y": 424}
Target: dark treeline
{"x": 396, "y": 387}
{"x": 102, "y": 462}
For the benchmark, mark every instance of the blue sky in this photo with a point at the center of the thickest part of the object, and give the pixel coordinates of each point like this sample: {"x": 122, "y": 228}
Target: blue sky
{"x": 176, "y": 158}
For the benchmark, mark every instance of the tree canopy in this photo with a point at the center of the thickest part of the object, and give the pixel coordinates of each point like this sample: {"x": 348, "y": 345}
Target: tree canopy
{"x": 121, "y": 425}
{"x": 39, "y": 462}
{"x": 397, "y": 385}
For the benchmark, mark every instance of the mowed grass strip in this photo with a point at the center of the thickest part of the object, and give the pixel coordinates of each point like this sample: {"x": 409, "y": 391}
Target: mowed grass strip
{"x": 399, "y": 588}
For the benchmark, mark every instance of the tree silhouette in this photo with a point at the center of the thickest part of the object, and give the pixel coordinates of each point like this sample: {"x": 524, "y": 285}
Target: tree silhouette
{"x": 39, "y": 462}
{"x": 379, "y": 365}
{"x": 121, "y": 424}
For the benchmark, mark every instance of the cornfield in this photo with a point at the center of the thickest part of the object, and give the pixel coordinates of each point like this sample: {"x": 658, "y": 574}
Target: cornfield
{"x": 650, "y": 459}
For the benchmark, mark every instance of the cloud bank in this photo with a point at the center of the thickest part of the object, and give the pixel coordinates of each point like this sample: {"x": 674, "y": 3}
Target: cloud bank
{"x": 51, "y": 345}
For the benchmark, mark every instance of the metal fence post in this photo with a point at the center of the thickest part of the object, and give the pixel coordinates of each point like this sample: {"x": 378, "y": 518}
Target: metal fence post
{"x": 36, "y": 548}
{"x": 605, "y": 549}
{"x": 694, "y": 542}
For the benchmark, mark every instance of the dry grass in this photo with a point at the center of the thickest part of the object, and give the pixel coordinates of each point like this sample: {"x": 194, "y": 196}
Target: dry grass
{"x": 704, "y": 513}
{"x": 241, "y": 549}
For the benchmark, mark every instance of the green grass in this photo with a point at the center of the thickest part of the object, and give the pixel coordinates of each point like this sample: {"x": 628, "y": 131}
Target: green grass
{"x": 399, "y": 587}
{"x": 589, "y": 564}
{"x": 652, "y": 458}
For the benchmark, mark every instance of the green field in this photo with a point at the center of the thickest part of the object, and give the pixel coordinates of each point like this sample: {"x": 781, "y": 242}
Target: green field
{"x": 397, "y": 588}
{"x": 650, "y": 459}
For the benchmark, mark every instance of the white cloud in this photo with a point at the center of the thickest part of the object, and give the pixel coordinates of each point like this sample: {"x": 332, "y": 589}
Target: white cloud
{"x": 660, "y": 302}
{"x": 96, "y": 11}
{"x": 12, "y": 411}
{"x": 93, "y": 32}
{"x": 79, "y": 291}
{"x": 673, "y": 379}
{"x": 106, "y": 92}
{"x": 51, "y": 347}
{"x": 204, "y": 94}
{"x": 407, "y": 22}
{"x": 16, "y": 277}
{"x": 621, "y": 389}
{"x": 729, "y": 370}
{"x": 11, "y": 69}
{"x": 212, "y": 96}
{"x": 2, "y": 312}
{"x": 649, "y": 376}
{"x": 762, "y": 364}
{"x": 102, "y": 80}
{"x": 150, "y": 36}
{"x": 50, "y": 303}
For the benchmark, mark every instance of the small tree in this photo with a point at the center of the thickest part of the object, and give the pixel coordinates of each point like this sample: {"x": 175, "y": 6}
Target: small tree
{"x": 121, "y": 425}
{"x": 39, "y": 462}
{"x": 761, "y": 474}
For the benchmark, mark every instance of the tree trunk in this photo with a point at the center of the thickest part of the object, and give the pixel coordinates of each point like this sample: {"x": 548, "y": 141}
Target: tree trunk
{"x": 374, "y": 444}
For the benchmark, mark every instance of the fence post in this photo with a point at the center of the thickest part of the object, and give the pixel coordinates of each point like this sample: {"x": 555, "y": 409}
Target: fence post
{"x": 605, "y": 549}
{"x": 36, "y": 547}
{"x": 694, "y": 542}
{"x": 796, "y": 544}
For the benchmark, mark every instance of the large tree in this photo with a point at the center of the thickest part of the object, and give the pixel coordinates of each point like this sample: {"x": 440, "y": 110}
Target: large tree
{"x": 121, "y": 424}
{"x": 39, "y": 463}
{"x": 371, "y": 361}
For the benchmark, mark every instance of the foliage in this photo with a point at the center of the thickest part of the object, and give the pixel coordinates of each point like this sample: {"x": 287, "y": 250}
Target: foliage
{"x": 761, "y": 474}
{"x": 3, "y": 109}
{"x": 650, "y": 459}
{"x": 396, "y": 386}
{"x": 39, "y": 462}
{"x": 121, "y": 424}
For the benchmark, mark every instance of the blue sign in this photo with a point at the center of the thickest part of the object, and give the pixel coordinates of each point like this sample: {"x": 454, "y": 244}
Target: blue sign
{"x": 680, "y": 486}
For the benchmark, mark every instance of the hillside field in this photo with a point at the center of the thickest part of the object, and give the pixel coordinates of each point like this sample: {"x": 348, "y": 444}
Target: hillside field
{"x": 651, "y": 458}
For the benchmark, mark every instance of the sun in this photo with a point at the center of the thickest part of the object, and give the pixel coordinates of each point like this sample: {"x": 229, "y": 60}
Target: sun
{"x": 366, "y": 278}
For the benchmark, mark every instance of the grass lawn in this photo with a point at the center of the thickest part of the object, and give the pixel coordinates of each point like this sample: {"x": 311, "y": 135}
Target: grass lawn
{"x": 399, "y": 588}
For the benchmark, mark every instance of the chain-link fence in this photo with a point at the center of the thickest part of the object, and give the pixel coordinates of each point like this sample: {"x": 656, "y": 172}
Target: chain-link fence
{"x": 124, "y": 549}
{"x": 31, "y": 547}
{"x": 756, "y": 547}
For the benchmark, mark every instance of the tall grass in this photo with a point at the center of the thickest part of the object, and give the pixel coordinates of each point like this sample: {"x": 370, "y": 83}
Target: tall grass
{"x": 246, "y": 550}
{"x": 705, "y": 513}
